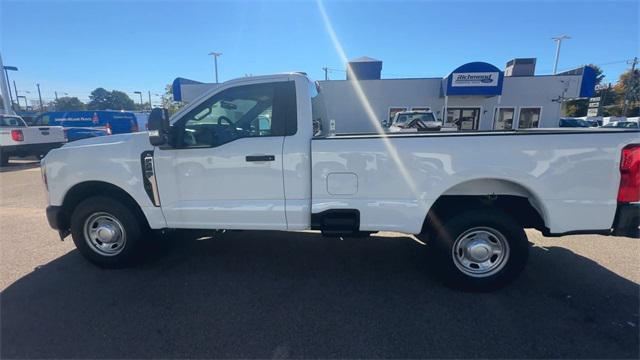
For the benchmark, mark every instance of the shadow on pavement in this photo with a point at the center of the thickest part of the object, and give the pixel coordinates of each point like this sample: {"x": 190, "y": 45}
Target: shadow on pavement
{"x": 20, "y": 165}
{"x": 298, "y": 295}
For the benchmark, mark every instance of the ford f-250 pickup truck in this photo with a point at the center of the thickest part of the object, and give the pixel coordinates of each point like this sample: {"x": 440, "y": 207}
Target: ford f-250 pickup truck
{"x": 244, "y": 156}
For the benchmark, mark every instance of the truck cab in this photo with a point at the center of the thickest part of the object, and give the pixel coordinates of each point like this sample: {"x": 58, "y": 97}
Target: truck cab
{"x": 242, "y": 157}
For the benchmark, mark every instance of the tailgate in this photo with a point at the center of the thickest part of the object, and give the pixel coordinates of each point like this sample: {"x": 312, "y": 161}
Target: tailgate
{"x": 43, "y": 134}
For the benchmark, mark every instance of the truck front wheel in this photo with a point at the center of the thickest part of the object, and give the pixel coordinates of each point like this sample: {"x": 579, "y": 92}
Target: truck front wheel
{"x": 106, "y": 232}
{"x": 480, "y": 250}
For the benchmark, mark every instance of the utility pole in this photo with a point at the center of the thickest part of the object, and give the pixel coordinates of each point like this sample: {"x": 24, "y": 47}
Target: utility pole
{"x": 56, "y": 94}
{"x": 149, "y": 91}
{"x": 631, "y": 84}
{"x": 40, "y": 98}
{"x": 558, "y": 40}
{"x": 326, "y": 73}
{"x": 215, "y": 62}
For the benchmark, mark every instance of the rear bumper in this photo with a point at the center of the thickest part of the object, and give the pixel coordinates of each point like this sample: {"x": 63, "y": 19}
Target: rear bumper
{"x": 627, "y": 220}
{"x": 30, "y": 149}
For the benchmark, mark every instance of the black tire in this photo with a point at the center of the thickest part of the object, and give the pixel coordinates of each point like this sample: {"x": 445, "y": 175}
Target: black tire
{"x": 114, "y": 213}
{"x": 495, "y": 226}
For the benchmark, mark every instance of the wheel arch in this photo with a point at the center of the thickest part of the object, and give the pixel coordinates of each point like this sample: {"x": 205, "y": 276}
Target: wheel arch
{"x": 86, "y": 189}
{"x": 503, "y": 194}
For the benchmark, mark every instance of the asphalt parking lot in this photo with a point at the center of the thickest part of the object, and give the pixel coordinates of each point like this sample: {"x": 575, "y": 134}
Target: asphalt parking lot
{"x": 297, "y": 295}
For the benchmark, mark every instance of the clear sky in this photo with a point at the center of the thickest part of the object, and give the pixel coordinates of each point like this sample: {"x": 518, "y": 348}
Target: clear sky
{"x": 76, "y": 46}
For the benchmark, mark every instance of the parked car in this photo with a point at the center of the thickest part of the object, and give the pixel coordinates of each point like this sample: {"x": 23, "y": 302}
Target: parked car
{"x": 414, "y": 121}
{"x": 216, "y": 165}
{"x": 18, "y": 139}
{"x": 622, "y": 124}
{"x": 571, "y": 122}
{"x": 86, "y": 124}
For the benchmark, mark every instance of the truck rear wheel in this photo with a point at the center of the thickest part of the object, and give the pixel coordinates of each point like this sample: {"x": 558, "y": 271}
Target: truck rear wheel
{"x": 480, "y": 250}
{"x": 106, "y": 232}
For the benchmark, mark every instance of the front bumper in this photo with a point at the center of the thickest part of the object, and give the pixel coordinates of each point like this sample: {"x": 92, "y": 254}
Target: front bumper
{"x": 55, "y": 217}
{"x": 627, "y": 220}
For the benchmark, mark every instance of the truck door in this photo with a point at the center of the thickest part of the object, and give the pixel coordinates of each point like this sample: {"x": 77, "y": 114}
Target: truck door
{"x": 224, "y": 169}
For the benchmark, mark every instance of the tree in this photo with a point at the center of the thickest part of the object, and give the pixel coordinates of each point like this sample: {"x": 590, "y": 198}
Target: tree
{"x": 629, "y": 86}
{"x": 102, "y": 99}
{"x": 69, "y": 104}
{"x": 121, "y": 101}
{"x": 99, "y": 99}
{"x": 599, "y": 73}
{"x": 168, "y": 103}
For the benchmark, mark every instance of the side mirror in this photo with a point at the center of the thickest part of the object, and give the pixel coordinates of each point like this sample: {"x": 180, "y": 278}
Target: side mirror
{"x": 159, "y": 127}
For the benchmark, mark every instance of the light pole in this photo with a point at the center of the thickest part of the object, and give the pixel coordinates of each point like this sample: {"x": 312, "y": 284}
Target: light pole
{"x": 56, "y": 94}
{"x": 558, "y": 40}
{"x": 215, "y": 62}
{"x": 139, "y": 93}
{"x": 6, "y": 75}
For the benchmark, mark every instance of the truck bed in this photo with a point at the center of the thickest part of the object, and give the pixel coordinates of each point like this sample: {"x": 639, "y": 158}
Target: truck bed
{"x": 570, "y": 176}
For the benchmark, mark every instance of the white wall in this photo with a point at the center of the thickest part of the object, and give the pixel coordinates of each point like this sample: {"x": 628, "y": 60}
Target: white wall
{"x": 348, "y": 110}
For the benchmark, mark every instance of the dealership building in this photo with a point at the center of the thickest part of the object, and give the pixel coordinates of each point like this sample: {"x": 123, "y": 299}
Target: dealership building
{"x": 474, "y": 96}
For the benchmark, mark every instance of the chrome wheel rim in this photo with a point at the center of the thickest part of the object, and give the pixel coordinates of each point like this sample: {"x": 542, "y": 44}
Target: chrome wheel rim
{"x": 104, "y": 234}
{"x": 480, "y": 252}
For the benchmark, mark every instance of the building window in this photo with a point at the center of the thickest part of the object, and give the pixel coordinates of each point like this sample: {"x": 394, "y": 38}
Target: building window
{"x": 503, "y": 118}
{"x": 529, "y": 117}
{"x": 392, "y": 113}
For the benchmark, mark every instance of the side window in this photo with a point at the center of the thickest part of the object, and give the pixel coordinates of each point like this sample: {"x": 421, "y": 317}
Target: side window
{"x": 244, "y": 111}
{"x": 503, "y": 118}
{"x": 529, "y": 117}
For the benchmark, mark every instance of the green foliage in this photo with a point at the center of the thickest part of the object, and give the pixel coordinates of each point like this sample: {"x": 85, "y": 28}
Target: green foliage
{"x": 630, "y": 82}
{"x": 68, "y": 103}
{"x": 102, "y": 99}
{"x": 168, "y": 103}
{"x": 576, "y": 108}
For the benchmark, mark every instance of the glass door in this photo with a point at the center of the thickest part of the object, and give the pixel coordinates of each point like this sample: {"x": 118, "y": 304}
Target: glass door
{"x": 503, "y": 118}
{"x": 463, "y": 118}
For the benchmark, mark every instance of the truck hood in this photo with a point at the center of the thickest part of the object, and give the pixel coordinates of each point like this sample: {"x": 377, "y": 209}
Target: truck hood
{"x": 97, "y": 149}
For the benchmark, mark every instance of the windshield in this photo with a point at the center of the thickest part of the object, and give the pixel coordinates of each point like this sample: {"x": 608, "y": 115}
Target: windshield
{"x": 12, "y": 121}
{"x": 407, "y": 118}
{"x": 574, "y": 123}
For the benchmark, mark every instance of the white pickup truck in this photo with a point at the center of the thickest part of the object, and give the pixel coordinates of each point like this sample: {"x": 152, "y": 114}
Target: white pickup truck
{"x": 244, "y": 156}
{"x": 18, "y": 139}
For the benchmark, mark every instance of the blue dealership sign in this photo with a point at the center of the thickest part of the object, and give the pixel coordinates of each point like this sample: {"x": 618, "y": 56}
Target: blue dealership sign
{"x": 476, "y": 78}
